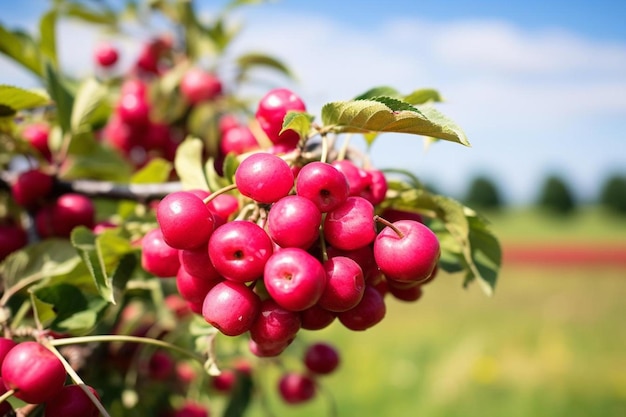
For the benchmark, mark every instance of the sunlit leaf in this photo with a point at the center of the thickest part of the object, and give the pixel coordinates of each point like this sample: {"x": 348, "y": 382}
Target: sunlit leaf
{"x": 84, "y": 240}
{"x": 382, "y": 91}
{"x": 21, "y": 48}
{"x": 61, "y": 96}
{"x": 74, "y": 311}
{"x": 300, "y": 122}
{"x": 374, "y": 115}
{"x": 158, "y": 170}
{"x": 252, "y": 61}
{"x": 13, "y": 99}
{"x": 422, "y": 96}
{"x": 188, "y": 164}
{"x": 45, "y": 259}
{"x": 89, "y": 96}
{"x": 47, "y": 36}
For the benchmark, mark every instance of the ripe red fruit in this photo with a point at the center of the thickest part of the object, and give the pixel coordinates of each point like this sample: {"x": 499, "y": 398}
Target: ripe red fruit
{"x": 5, "y": 346}
{"x": 375, "y": 190}
{"x": 185, "y": 220}
{"x": 369, "y": 312}
{"x": 239, "y": 250}
{"x": 296, "y": 388}
{"x": 264, "y": 177}
{"x": 238, "y": 139}
{"x": 31, "y": 187}
{"x": 404, "y": 293}
{"x": 267, "y": 350}
{"x": 64, "y": 214}
{"x": 34, "y": 372}
{"x": 294, "y": 222}
{"x": 321, "y": 358}
{"x": 106, "y": 55}
{"x": 37, "y": 135}
{"x": 191, "y": 409}
{"x": 351, "y": 225}
{"x": 72, "y": 401}
{"x": 198, "y": 263}
{"x": 274, "y": 324}
{"x": 316, "y": 318}
{"x": 193, "y": 288}
{"x": 160, "y": 366}
{"x": 357, "y": 178}
{"x": 198, "y": 85}
{"x": 133, "y": 109}
{"x": 294, "y": 278}
{"x": 410, "y": 257}
{"x": 271, "y": 112}
{"x": 231, "y": 307}
{"x": 12, "y": 238}
{"x": 344, "y": 286}
{"x": 323, "y": 184}
{"x": 157, "y": 257}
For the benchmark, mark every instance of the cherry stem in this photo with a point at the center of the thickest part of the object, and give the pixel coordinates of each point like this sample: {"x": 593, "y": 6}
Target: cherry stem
{"x": 6, "y": 395}
{"x": 390, "y": 225}
{"x": 125, "y": 338}
{"x": 221, "y": 191}
{"x": 76, "y": 378}
{"x": 324, "y": 156}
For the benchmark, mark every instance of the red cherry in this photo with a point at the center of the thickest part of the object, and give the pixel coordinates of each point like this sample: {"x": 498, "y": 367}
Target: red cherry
{"x": 294, "y": 278}
{"x": 296, "y": 388}
{"x": 157, "y": 257}
{"x": 271, "y": 112}
{"x": 264, "y": 177}
{"x": 106, "y": 55}
{"x": 231, "y": 307}
{"x": 321, "y": 358}
{"x": 198, "y": 85}
{"x": 410, "y": 257}
{"x": 34, "y": 372}
{"x": 12, "y": 238}
{"x": 72, "y": 401}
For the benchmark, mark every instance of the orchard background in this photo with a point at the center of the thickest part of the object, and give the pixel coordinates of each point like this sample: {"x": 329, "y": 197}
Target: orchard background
{"x": 454, "y": 352}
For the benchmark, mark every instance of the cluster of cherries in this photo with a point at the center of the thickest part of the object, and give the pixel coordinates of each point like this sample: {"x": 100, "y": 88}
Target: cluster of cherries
{"x": 132, "y": 128}
{"x": 296, "y": 248}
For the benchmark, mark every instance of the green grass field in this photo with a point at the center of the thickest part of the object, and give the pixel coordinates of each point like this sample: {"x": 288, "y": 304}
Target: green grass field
{"x": 550, "y": 342}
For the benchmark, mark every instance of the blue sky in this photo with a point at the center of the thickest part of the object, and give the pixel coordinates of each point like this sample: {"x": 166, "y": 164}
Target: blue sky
{"x": 538, "y": 86}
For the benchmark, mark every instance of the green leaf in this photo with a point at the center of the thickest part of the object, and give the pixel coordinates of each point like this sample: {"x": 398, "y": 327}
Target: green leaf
{"x": 73, "y": 310}
{"x": 13, "y": 99}
{"x": 382, "y": 91}
{"x": 251, "y": 61}
{"x": 61, "y": 96}
{"x": 21, "y": 48}
{"x": 78, "y": 10}
{"x": 89, "y": 159}
{"x": 188, "y": 164}
{"x": 300, "y": 122}
{"x": 422, "y": 96}
{"x": 38, "y": 261}
{"x": 89, "y": 97}
{"x": 47, "y": 36}
{"x": 102, "y": 254}
{"x": 231, "y": 162}
{"x": 156, "y": 171}
{"x": 390, "y": 115}
{"x": 486, "y": 254}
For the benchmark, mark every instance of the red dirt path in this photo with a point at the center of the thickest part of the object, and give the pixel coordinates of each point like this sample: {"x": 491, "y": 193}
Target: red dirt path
{"x": 564, "y": 254}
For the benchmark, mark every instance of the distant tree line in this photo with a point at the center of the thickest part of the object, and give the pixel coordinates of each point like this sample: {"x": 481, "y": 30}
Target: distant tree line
{"x": 555, "y": 195}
